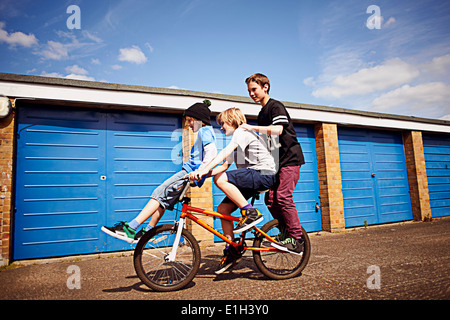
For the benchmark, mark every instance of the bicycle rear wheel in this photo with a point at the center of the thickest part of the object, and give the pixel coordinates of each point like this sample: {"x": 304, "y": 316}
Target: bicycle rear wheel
{"x": 150, "y": 259}
{"x": 279, "y": 265}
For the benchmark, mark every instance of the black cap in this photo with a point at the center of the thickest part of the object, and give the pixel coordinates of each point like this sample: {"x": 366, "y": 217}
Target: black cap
{"x": 200, "y": 111}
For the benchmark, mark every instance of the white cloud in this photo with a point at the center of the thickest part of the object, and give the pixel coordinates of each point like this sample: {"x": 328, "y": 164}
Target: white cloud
{"x": 51, "y": 74}
{"x": 380, "y": 21}
{"x": 116, "y": 67}
{"x": 390, "y": 22}
{"x": 438, "y": 65}
{"x": 55, "y": 51}
{"x": 178, "y": 88}
{"x": 90, "y": 36}
{"x": 77, "y": 70}
{"x": 309, "y": 81}
{"x": 392, "y": 73}
{"x": 71, "y": 47}
{"x": 75, "y": 73}
{"x": 423, "y": 96}
{"x": 133, "y": 54}
{"x": 150, "y": 48}
{"x": 79, "y": 77}
{"x": 17, "y": 38}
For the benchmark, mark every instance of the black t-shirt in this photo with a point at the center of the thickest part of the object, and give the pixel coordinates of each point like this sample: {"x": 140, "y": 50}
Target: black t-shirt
{"x": 289, "y": 151}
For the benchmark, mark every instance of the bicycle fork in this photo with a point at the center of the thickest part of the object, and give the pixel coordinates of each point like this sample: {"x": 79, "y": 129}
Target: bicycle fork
{"x": 173, "y": 253}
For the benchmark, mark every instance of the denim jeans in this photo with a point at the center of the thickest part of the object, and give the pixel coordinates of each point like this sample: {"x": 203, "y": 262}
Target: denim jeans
{"x": 280, "y": 202}
{"x": 168, "y": 193}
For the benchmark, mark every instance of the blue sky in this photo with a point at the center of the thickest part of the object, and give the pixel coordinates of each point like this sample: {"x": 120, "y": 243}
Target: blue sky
{"x": 314, "y": 52}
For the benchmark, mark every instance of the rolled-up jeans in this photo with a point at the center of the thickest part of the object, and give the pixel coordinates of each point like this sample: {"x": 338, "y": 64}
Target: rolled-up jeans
{"x": 168, "y": 193}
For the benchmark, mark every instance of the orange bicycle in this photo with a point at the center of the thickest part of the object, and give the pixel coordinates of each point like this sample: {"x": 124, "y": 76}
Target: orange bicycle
{"x": 168, "y": 257}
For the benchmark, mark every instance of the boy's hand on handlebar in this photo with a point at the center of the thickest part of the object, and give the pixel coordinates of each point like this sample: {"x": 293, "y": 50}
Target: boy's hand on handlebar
{"x": 197, "y": 175}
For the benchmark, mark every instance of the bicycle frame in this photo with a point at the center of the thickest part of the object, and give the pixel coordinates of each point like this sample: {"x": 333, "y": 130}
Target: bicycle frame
{"x": 186, "y": 214}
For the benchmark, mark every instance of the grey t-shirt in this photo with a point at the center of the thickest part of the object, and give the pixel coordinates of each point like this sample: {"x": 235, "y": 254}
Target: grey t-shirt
{"x": 252, "y": 152}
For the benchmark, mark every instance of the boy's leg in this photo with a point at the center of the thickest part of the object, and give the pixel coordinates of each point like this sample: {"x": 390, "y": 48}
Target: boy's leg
{"x": 227, "y": 225}
{"x": 162, "y": 198}
{"x": 153, "y": 222}
{"x": 127, "y": 231}
{"x": 271, "y": 203}
{"x": 230, "y": 254}
{"x": 282, "y": 202}
{"x": 229, "y": 183}
{"x": 231, "y": 191}
{"x": 156, "y": 217}
{"x": 232, "y": 182}
{"x": 150, "y": 208}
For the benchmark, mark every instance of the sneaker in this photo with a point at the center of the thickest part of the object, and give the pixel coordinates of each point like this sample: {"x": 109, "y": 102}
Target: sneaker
{"x": 278, "y": 238}
{"x": 229, "y": 259}
{"x": 122, "y": 231}
{"x": 250, "y": 218}
{"x": 290, "y": 245}
{"x": 139, "y": 235}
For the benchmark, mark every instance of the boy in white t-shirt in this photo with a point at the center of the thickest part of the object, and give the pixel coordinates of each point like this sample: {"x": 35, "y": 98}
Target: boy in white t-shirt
{"x": 255, "y": 171}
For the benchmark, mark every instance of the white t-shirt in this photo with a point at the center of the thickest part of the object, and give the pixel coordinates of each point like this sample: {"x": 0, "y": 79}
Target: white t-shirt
{"x": 252, "y": 152}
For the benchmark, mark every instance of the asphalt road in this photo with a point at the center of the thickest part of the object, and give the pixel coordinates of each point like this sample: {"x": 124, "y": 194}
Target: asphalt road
{"x": 407, "y": 260}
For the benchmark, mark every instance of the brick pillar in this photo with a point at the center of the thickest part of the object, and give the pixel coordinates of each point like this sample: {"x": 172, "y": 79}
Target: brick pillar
{"x": 200, "y": 197}
{"x": 330, "y": 185}
{"x": 417, "y": 175}
{"x": 6, "y": 185}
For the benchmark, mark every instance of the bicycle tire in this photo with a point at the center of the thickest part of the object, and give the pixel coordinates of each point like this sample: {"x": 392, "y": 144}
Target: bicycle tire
{"x": 154, "y": 271}
{"x": 280, "y": 265}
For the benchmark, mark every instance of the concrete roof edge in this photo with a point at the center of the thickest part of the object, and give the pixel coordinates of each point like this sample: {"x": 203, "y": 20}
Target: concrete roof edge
{"x": 205, "y": 95}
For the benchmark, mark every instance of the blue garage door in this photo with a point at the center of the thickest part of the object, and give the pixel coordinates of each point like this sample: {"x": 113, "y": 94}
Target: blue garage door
{"x": 79, "y": 169}
{"x": 437, "y": 160}
{"x": 306, "y": 193}
{"x": 374, "y": 178}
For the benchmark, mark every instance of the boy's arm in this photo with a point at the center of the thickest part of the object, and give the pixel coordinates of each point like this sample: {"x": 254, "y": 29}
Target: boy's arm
{"x": 223, "y": 167}
{"x": 269, "y": 130}
{"x": 277, "y": 116}
{"x": 210, "y": 151}
{"x": 216, "y": 161}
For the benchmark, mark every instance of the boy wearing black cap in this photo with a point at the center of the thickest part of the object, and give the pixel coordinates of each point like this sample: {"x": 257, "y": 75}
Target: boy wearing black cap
{"x": 164, "y": 197}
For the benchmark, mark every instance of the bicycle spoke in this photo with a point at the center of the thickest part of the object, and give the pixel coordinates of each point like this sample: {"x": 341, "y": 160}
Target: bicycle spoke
{"x": 160, "y": 272}
{"x": 280, "y": 264}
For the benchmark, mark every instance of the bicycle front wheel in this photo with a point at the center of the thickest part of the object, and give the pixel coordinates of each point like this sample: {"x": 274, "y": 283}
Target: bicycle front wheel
{"x": 279, "y": 265}
{"x": 151, "y": 263}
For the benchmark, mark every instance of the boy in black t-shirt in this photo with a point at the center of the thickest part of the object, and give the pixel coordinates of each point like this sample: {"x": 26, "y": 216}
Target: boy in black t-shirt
{"x": 275, "y": 122}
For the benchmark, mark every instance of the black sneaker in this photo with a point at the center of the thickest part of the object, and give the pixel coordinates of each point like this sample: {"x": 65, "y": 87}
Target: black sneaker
{"x": 250, "y": 218}
{"x": 139, "y": 235}
{"x": 290, "y": 245}
{"x": 230, "y": 257}
{"x": 278, "y": 238}
{"x": 122, "y": 231}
